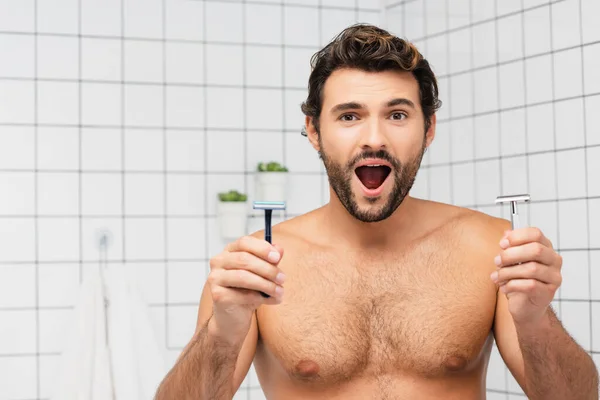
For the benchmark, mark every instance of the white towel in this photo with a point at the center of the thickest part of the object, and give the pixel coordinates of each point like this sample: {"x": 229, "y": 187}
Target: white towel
{"x": 131, "y": 365}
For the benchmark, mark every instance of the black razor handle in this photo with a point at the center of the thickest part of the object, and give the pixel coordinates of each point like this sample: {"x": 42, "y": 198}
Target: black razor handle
{"x": 267, "y": 236}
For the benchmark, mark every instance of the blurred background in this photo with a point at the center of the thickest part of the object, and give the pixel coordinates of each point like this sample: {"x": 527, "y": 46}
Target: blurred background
{"x": 129, "y": 117}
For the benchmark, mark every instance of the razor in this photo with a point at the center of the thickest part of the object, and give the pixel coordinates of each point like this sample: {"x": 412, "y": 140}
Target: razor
{"x": 513, "y": 200}
{"x": 268, "y": 206}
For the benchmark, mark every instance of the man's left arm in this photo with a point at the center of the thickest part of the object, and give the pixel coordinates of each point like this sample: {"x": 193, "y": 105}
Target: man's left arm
{"x": 542, "y": 356}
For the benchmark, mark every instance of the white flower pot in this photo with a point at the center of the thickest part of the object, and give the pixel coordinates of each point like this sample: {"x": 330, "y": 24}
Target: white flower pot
{"x": 232, "y": 218}
{"x": 271, "y": 186}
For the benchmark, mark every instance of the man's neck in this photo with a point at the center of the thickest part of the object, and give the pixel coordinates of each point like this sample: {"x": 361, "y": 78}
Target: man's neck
{"x": 347, "y": 229}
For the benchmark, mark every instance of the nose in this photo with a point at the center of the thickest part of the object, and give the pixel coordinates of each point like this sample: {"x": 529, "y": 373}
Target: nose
{"x": 372, "y": 137}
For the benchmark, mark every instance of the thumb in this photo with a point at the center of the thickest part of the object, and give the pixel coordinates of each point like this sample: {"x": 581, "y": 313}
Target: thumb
{"x": 279, "y": 249}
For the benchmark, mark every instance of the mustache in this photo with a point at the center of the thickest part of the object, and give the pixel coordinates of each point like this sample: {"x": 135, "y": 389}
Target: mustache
{"x": 381, "y": 154}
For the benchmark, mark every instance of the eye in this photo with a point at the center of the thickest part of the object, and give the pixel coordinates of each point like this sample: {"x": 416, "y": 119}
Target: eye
{"x": 398, "y": 115}
{"x": 347, "y": 117}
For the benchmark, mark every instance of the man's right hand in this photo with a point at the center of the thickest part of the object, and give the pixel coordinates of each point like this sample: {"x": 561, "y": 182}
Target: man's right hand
{"x": 245, "y": 268}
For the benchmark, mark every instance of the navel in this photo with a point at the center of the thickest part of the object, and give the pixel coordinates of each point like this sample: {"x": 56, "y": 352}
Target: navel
{"x": 307, "y": 369}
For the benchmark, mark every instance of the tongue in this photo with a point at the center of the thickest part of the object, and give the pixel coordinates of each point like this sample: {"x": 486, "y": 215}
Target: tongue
{"x": 372, "y": 177}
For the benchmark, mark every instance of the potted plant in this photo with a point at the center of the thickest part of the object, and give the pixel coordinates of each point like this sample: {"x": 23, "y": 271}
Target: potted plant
{"x": 271, "y": 181}
{"x": 232, "y": 214}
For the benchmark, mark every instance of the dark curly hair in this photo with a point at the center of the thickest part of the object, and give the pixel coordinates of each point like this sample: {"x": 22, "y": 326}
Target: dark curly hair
{"x": 371, "y": 49}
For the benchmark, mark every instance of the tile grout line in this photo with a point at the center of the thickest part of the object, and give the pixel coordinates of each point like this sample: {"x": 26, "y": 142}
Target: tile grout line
{"x": 36, "y": 201}
{"x": 164, "y": 172}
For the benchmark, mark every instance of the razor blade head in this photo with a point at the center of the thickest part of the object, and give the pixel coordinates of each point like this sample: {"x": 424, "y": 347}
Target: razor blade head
{"x": 513, "y": 198}
{"x": 269, "y": 205}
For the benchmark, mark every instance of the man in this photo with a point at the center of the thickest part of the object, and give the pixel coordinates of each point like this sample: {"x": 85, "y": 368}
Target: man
{"x": 386, "y": 296}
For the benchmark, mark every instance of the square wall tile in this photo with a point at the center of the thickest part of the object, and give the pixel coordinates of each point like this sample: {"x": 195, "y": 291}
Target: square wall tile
{"x": 591, "y": 73}
{"x": 542, "y": 175}
{"x": 514, "y": 175}
{"x": 505, "y": 7}
{"x": 101, "y": 17}
{"x": 437, "y": 54}
{"x": 262, "y": 146}
{"x": 57, "y": 148}
{"x": 58, "y": 193}
{"x": 181, "y": 323}
{"x": 185, "y": 106}
{"x": 440, "y": 184}
{"x": 186, "y": 150}
{"x": 17, "y": 147}
{"x": 53, "y": 326}
{"x": 594, "y": 264}
{"x": 184, "y": 62}
{"x": 224, "y": 22}
{"x": 593, "y": 165}
{"x": 459, "y": 14}
{"x": 264, "y": 66}
{"x": 19, "y": 377}
{"x": 567, "y": 74}
{"x": 565, "y": 24}
{"x": 186, "y": 281}
{"x": 220, "y": 183}
{"x": 592, "y": 124}
{"x": 17, "y": 102}
{"x": 573, "y": 217}
{"x": 145, "y": 239}
{"x": 575, "y": 273}
{"x": 570, "y": 129}
{"x": 487, "y": 136}
{"x": 463, "y": 184}
{"x": 540, "y": 128}
{"x": 61, "y": 16}
{"x": 513, "y": 134}
{"x": 595, "y": 326}
{"x": 144, "y": 150}
{"x": 226, "y": 151}
{"x": 460, "y": 50}
{"x": 333, "y": 22}
{"x": 300, "y": 156}
{"x": 294, "y": 118}
{"x": 487, "y": 185}
{"x": 144, "y": 194}
{"x": 439, "y": 149}
{"x": 263, "y": 24}
{"x": 259, "y": 100}
{"x": 101, "y": 59}
{"x": 544, "y": 216}
{"x": 496, "y": 375}
{"x": 101, "y": 104}
{"x": 101, "y": 149}
{"x": 576, "y": 320}
{"x": 301, "y": 26}
{"x": 589, "y": 24}
{"x": 462, "y": 139}
{"x": 144, "y": 105}
{"x": 486, "y": 90}
{"x": 143, "y": 61}
{"x": 538, "y": 72}
{"x": 20, "y": 50}
{"x": 484, "y": 44}
{"x": 17, "y": 285}
{"x": 303, "y": 193}
{"x": 415, "y": 25}
{"x": 594, "y": 215}
{"x": 17, "y": 16}
{"x": 462, "y": 99}
{"x": 102, "y": 194}
{"x": 58, "y": 57}
{"x": 224, "y": 64}
{"x": 58, "y": 285}
{"x": 58, "y": 239}
{"x": 93, "y": 228}
{"x": 17, "y": 335}
{"x": 537, "y": 31}
{"x": 58, "y": 103}
{"x": 297, "y": 67}
{"x": 420, "y": 188}
{"x": 18, "y": 236}
{"x": 510, "y": 38}
{"x": 186, "y": 194}
{"x": 436, "y": 12}
{"x": 570, "y": 168}
{"x": 143, "y": 18}
{"x": 512, "y": 85}
{"x": 18, "y": 189}
{"x": 181, "y": 19}
{"x": 49, "y": 373}
{"x": 186, "y": 239}
{"x": 150, "y": 279}
{"x": 226, "y": 108}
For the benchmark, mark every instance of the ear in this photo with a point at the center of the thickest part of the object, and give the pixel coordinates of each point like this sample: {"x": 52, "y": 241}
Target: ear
{"x": 430, "y": 134}
{"x": 311, "y": 133}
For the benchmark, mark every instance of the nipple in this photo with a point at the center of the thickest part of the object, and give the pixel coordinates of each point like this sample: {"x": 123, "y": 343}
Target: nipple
{"x": 307, "y": 369}
{"x": 455, "y": 363}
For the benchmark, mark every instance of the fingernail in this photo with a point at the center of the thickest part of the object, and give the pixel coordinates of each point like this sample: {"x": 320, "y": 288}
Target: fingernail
{"x": 279, "y": 291}
{"x": 273, "y": 256}
{"x": 504, "y": 243}
{"x": 497, "y": 260}
{"x": 280, "y": 278}
{"x": 494, "y": 276}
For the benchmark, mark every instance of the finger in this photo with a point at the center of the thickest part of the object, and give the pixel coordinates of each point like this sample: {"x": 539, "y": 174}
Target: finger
{"x": 254, "y": 264}
{"x": 244, "y": 297}
{"x": 259, "y": 247}
{"x": 525, "y": 286}
{"x": 242, "y": 279}
{"x": 522, "y": 236}
{"x": 533, "y": 251}
{"x": 530, "y": 270}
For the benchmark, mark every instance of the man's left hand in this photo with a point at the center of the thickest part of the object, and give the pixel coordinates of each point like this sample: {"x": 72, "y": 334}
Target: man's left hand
{"x": 529, "y": 273}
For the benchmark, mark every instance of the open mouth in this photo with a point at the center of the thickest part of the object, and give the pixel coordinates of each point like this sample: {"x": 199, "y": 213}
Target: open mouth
{"x": 372, "y": 176}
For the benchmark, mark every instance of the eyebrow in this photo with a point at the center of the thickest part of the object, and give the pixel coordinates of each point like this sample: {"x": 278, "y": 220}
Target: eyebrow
{"x": 352, "y": 105}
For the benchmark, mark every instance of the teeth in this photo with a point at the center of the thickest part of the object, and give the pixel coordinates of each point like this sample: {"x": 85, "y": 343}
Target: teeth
{"x": 374, "y": 165}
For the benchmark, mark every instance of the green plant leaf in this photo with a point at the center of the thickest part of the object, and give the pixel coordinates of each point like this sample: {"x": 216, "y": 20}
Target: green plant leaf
{"x": 232, "y": 196}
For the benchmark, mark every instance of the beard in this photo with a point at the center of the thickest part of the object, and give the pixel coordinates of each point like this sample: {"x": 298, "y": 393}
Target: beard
{"x": 340, "y": 179}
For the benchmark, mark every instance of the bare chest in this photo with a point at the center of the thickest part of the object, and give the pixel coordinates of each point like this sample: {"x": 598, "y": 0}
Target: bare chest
{"x": 429, "y": 318}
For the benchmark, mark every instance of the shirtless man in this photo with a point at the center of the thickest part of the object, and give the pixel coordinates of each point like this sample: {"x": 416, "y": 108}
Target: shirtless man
{"x": 386, "y": 296}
